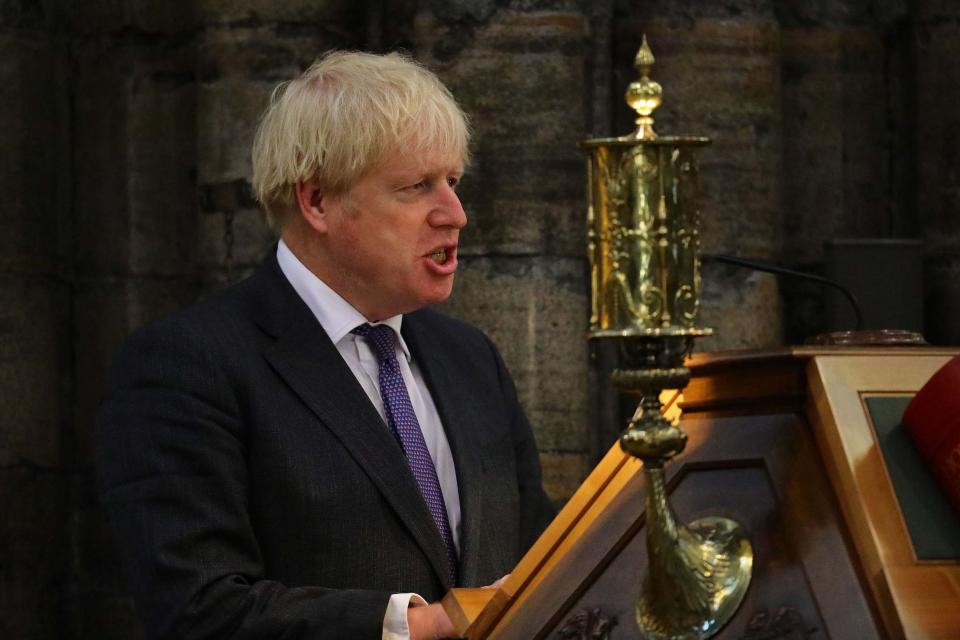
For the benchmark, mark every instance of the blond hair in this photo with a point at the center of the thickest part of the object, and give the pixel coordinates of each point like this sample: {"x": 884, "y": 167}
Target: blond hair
{"x": 348, "y": 112}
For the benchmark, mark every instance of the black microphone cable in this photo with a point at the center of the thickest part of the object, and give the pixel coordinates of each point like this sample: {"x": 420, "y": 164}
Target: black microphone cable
{"x": 782, "y": 271}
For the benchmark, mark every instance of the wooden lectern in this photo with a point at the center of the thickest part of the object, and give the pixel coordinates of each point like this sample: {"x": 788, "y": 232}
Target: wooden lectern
{"x": 803, "y": 448}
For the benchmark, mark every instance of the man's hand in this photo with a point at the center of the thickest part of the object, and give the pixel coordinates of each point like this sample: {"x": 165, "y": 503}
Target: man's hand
{"x": 429, "y": 623}
{"x": 498, "y": 583}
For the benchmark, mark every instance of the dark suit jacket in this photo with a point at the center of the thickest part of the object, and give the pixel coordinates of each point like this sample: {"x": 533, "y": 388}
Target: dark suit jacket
{"x": 255, "y": 492}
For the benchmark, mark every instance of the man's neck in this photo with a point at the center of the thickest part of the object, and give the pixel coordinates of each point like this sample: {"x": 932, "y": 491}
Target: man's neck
{"x": 307, "y": 248}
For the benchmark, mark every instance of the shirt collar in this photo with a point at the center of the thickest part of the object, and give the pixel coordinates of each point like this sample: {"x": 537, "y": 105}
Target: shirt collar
{"x": 337, "y": 316}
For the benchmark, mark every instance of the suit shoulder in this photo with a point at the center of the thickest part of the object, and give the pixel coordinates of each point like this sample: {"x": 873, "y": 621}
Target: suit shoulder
{"x": 459, "y": 340}
{"x": 204, "y": 324}
{"x": 443, "y": 326}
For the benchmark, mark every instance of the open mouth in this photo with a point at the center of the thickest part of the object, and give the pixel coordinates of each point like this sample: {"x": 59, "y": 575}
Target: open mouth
{"x": 439, "y": 256}
{"x": 442, "y": 261}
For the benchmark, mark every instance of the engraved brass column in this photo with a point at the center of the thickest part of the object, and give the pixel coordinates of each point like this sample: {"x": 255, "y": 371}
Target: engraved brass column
{"x": 643, "y": 246}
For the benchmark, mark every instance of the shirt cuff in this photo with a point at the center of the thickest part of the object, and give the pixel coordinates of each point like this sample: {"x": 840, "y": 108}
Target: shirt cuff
{"x": 395, "y": 625}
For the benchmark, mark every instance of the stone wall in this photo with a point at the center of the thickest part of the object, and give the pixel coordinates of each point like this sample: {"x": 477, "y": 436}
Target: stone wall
{"x": 36, "y": 334}
{"x": 933, "y": 89}
{"x": 124, "y": 190}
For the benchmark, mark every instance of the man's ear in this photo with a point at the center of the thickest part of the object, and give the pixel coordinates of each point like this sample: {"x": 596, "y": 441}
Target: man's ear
{"x": 313, "y": 204}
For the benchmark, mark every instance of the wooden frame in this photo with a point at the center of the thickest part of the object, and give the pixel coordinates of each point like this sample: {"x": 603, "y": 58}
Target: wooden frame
{"x": 838, "y": 526}
{"x": 915, "y": 599}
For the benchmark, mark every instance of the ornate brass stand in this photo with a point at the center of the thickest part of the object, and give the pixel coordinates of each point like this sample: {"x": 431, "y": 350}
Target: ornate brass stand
{"x": 643, "y": 244}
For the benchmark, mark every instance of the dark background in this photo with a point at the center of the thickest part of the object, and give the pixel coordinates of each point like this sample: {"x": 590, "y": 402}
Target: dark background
{"x": 124, "y": 164}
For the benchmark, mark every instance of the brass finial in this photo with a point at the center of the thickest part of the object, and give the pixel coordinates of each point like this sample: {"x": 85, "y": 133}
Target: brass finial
{"x": 644, "y": 95}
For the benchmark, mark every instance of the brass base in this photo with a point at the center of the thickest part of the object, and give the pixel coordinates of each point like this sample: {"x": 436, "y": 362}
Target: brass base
{"x": 698, "y": 574}
{"x": 712, "y": 561}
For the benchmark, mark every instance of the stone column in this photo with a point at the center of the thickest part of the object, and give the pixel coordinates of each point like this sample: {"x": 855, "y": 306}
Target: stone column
{"x": 520, "y": 75}
{"x": 245, "y": 49}
{"x": 846, "y": 167}
{"x": 134, "y": 209}
{"x": 35, "y": 371}
{"x": 937, "y": 44}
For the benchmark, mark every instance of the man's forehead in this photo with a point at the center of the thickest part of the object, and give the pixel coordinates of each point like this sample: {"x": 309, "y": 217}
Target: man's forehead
{"x": 422, "y": 161}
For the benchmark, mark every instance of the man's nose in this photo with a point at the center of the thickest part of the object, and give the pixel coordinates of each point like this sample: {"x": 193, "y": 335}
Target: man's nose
{"x": 448, "y": 211}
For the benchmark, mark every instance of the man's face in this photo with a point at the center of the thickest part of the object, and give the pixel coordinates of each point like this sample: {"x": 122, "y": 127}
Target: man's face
{"x": 392, "y": 239}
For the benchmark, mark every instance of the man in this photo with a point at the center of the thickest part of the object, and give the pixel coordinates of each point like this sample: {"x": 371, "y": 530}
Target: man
{"x": 302, "y": 454}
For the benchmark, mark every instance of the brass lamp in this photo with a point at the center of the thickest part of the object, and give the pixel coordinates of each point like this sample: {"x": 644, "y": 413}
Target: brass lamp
{"x": 643, "y": 245}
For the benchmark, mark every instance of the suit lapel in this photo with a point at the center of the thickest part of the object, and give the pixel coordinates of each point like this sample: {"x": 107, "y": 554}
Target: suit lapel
{"x": 461, "y": 427}
{"x": 307, "y": 360}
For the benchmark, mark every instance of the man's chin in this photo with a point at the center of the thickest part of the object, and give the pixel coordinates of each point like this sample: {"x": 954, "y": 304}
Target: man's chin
{"x": 439, "y": 294}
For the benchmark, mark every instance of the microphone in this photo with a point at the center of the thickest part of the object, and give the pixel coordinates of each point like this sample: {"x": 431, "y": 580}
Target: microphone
{"x": 782, "y": 271}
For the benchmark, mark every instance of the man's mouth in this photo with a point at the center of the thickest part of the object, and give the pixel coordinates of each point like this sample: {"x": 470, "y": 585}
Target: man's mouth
{"x": 442, "y": 261}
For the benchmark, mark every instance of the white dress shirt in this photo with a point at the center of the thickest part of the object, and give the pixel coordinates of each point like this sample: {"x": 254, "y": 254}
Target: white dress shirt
{"x": 338, "y": 318}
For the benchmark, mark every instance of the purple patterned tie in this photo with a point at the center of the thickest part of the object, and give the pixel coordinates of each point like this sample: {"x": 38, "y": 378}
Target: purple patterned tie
{"x": 403, "y": 422}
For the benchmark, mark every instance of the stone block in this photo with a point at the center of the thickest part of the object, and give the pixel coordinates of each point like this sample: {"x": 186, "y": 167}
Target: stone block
{"x": 164, "y": 17}
{"x": 510, "y": 212}
{"x": 162, "y": 178}
{"x": 520, "y": 78}
{"x": 228, "y": 112}
{"x": 135, "y": 159}
{"x": 239, "y": 67}
{"x": 721, "y": 79}
{"x": 698, "y": 9}
{"x": 33, "y": 536}
{"x": 106, "y": 311}
{"x": 21, "y": 15}
{"x": 936, "y": 10}
{"x": 216, "y": 279}
{"x": 742, "y": 307}
{"x": 102, "y": 203}
{"x": 141, "y": 16}
{"x": 803, "y": 13}
{"x": 867, "y": 136}
{"x": 331, "y": 14}
{"x": 34, "y": 134}
{"x": 34, "y": 369}
{"x": 563, "y": 473}
{"x": 261, "y": 53}
{"x": 535, "y": 311}
{"x": 836, "y": 146}
{"x": 937, "y": 46}
{"x": 252, "y": 239}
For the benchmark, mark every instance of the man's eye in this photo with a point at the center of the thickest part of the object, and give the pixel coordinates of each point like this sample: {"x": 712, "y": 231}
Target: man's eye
{"x": 453, "y": 182}
{"x": 418, "y": 186}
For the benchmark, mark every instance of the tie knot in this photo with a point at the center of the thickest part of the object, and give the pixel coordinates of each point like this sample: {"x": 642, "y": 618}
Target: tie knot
{"x": 381, "y": 337}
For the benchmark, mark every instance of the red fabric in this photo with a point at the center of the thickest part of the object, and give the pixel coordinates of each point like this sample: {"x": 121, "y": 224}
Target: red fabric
{"x": 933, "y": 420}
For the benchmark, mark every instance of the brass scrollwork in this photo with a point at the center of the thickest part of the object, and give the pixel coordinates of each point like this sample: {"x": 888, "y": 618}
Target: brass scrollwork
{"x": 590, "y": 624}
{"x": 643, "y": 238}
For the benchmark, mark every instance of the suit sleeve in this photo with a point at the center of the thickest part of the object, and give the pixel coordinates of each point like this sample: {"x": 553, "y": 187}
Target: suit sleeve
{"x": 536, "y": 510}
{"x": 172, "y": 475}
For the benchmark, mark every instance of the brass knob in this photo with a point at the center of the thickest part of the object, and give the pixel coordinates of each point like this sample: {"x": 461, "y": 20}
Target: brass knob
{"x": 644, "y": 95}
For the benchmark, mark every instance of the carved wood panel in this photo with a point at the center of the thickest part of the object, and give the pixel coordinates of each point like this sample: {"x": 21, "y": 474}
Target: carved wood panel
{"x": 763, "y": 472}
